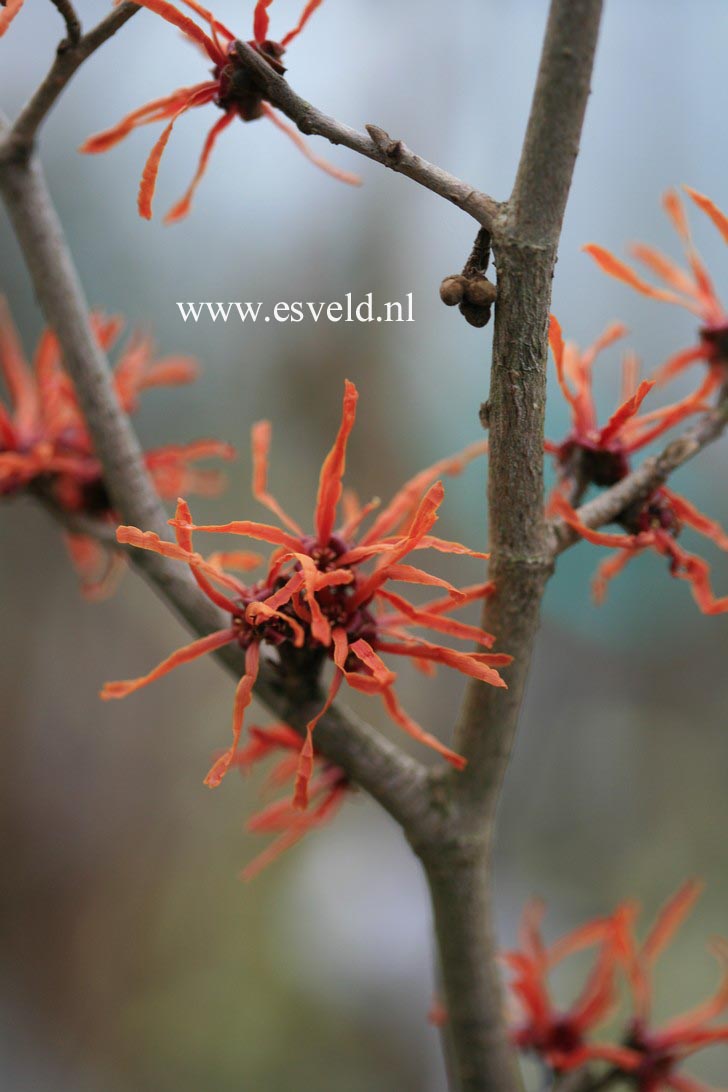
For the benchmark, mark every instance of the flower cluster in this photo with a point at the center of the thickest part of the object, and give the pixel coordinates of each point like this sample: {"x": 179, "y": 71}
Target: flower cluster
{"x": 328, "y": 788}
{"x": 45, "y": 446}
{"x": 328, "y": 594}
{"x": 690, "y": 288}
{"x": 651, "y": 1057}
{"x": 594, "y": 455}
{"x": 230, "y": 88}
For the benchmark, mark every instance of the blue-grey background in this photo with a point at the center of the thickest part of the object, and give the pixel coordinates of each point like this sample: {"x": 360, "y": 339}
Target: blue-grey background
{"x": 132, "y": 956}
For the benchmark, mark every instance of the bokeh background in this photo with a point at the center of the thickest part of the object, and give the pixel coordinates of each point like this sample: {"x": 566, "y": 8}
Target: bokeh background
{"x": 132, "y": 956}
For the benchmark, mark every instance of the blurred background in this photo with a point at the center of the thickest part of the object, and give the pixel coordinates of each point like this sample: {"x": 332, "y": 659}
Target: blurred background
{"x": 132, "y": 955}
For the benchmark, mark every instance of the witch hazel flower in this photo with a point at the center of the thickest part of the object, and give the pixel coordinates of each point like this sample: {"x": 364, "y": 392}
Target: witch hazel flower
{"x": 600, "y": 456}
{"x": 329, "y": 787}
{"x": 229, "y": 88}
{"x": 327, "y": 595}
{"x": 658, "y": 1052}
{"x": 690, "y": 288}
{"x": 45, "y": 445}
{"x": 561, "y": 1038}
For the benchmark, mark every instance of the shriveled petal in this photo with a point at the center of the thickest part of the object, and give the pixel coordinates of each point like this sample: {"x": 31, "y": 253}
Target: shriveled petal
{"x": 399, "y": 512}
{"x": 306, "y": 757}
{"x": 182, "y": 208}
{"x": 622, "y": 272}
{"x": 16, "y": 373}
{"x": 626, "y": 411}
{"x": 435, "y": 620}
{"x": 412, "y": 728}
{"x": 607, "y": 571}
{"x": 184, "y": 655}
{"x": 323, "y": 164}
{"x": 157, "y": 110}
{"x": 306, "y": 14}
{"x": 688, "y": 513}
{"x": 249, "y": 529}
{"x": 8, "y": 13}
{"x": 261, "y": 21}
{"x": 478, "y": 665}
{"x": 334, "y": 466}
{"x": 710, "y": 209}
{"x": 243, "y": 697}
{"x": 189, "y": 28}
{"x": 260, "y": 443}
{"x": 669, "y": 920}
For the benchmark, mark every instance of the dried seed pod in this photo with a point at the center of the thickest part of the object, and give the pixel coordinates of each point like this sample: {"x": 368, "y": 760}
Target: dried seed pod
{"x": 480, "y": 291}
{"x": 452, "y": 289}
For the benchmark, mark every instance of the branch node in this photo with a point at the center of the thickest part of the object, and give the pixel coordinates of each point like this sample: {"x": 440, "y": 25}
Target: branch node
{"x": 392, "y": 149}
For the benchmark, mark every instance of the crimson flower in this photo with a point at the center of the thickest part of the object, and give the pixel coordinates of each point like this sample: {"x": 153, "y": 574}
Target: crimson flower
{"x": 328, "y": 788}
{"x": 230, "y": 88}
{"x": 658, "y": 1052}
{"x": 45, "y": 445}
{"x": 8, "y": 10}
{"x": 561, "y": 1038}
{"x": 690, "y": 288}
{"x": 321, "y": 599}
{"x": 594, "y": 455}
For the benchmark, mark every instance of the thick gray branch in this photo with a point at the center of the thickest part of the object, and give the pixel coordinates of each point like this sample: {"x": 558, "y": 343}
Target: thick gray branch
{"x": 524, "y": 246}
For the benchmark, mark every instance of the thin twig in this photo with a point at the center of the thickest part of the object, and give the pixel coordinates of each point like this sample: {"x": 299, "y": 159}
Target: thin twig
{"x": 73, "y": 24}
{"x": 378, "y": 145}
{"x": 19, "y": 140}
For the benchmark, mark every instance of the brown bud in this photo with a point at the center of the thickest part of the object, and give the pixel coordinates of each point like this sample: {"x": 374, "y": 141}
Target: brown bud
{"x": 452, "y": 290}
{"x": 475, "y": 315}
{"x": 481, "y": 292}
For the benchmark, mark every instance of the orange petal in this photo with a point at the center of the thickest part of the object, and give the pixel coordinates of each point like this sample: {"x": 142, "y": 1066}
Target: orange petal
{"x": 305, "y": 762}
{"x": 625, "y": 412}
{"x": 261, "y": 21}
{"x": 190, "y": 29}
{"x": 243, "y": 697}
{"x": 412, "y": 728}
{"x": 622, "y": 272}
{"x": 260, "y": 442}
{"x": 334, "y": 466}
{"x": 669, "y": 920}
{"x": 322, "y": 164}
{"x": 710, "y": 209}
{"x": 182, "y": 208}
{"x": 308, "y": 11}
{"x": 8, "y": 13}
{"x": 184, "y": 655}
{"x": 400, "y": 510}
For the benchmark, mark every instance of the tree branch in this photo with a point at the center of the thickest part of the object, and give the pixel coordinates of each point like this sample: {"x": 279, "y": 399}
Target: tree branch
{"x": 396, "y": 781}
{"x": 378, "y": 145}
{"x": 70, "y": 18}
{"x": 642, "y": 482}
{"x": 71, "y": 54}
{"x": 524, "y": 244}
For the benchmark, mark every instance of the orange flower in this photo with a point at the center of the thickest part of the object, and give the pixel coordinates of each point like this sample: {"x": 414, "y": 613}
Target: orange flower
{"x": 599, "y": 455}
{"x": 321, "y": 598}
{"x": 594, "y": 455}
{"x": 327, "y": 791}
{"x": 561, "y": 1039}
{"x": 691, "y": 288}
{"x": 44, "y": 441}
{"x": 230, "y": 89}
{"x": 8, "y": 10}
{"x": 660, "y": 1051}
{"x": 654, "y": 525}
